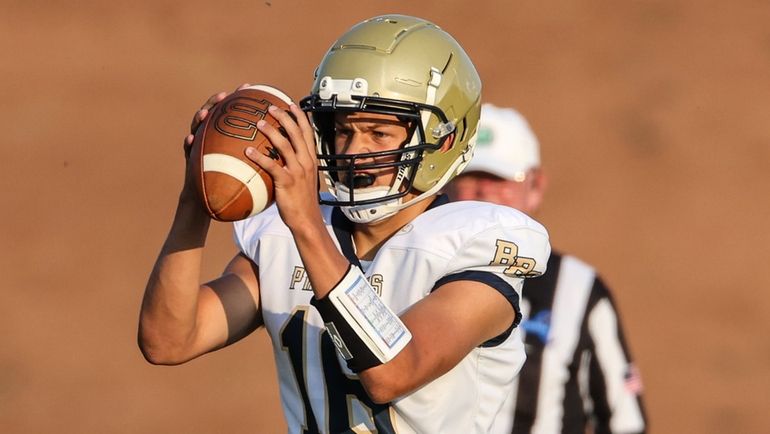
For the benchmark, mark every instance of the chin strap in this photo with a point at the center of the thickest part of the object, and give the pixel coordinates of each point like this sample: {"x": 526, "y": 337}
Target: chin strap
{"x": 367, "y": 213}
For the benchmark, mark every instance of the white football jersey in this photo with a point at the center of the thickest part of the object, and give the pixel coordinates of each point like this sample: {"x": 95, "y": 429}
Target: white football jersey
{"x": 454, "y": 241}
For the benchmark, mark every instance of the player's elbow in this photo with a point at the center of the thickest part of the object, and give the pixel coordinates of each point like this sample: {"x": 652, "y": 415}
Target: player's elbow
{"x": 382, "y": 389}
{"x": 380, "y": 394}
{"x": 154, "y": 356}
{"x": 392, "y": 380}
{"x": 160, "y": 356}
{"x": 158, "y": 352}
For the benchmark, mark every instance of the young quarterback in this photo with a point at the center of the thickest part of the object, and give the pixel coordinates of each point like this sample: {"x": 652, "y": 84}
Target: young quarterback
{"x": 390, "y": 310}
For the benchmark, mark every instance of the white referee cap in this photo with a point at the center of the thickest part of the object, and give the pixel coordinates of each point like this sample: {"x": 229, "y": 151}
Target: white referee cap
{"x": 505, "y": 145}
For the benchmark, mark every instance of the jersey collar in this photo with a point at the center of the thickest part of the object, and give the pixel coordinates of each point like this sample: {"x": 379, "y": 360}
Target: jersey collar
{"x": 343, "y": 229}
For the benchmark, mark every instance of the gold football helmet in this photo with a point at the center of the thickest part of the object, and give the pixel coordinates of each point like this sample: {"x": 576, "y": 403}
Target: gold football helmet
{"x": 410, "y": 68}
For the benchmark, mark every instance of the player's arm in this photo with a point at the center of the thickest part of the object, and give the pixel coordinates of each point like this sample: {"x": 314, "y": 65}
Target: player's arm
{"x": 180, "y": 318}
{"x": 296, "y": 196}
{"x": 445, "y": 326}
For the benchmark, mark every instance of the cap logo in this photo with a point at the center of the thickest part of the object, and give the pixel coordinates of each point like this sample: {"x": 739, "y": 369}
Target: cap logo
{"x": 485, "y": 137}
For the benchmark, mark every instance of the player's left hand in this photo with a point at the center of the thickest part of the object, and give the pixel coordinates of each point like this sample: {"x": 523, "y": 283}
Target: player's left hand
{"x": 296, "y": 184}
{"x": 201, "y": 115}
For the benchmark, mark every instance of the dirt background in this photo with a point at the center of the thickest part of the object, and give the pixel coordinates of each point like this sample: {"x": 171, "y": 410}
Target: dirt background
{"x": 653, "y": 118}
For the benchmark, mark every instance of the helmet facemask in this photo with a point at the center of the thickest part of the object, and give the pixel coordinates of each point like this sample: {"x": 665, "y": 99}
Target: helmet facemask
{"x": 343, "y": 172}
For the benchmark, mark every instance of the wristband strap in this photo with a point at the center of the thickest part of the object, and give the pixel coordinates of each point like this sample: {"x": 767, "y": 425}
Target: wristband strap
{"x": 365, "y": 331}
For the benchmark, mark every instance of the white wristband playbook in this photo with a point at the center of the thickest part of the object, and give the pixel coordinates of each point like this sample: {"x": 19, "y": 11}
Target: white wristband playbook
{"x": 364, "y": 330}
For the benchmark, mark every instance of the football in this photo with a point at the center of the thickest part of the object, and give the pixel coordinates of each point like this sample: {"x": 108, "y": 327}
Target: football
{"x": 231, "y": 186}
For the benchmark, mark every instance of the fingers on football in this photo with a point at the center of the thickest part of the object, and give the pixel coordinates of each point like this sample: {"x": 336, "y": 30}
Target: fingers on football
{"x": 187, "y": 145}
{"x": 201, "y": 114}
{"x": 267, "y": 164}
{"x": 307, "y": 131}
{"x": 291, "y": 123}
{"x": 280, "y": 141}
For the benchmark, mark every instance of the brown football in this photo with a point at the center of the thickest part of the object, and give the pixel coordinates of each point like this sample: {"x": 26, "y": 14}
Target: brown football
{"x": 231, "y": 186}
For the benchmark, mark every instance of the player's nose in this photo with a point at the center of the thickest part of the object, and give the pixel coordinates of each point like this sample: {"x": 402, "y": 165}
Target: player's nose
{"x": 358, "y": 144}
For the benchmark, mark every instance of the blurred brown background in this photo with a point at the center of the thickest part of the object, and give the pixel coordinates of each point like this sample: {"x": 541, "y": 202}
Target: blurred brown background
{"x": 653, "y": 118}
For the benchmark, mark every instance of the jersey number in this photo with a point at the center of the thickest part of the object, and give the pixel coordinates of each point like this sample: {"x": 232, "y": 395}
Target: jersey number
{"x": 341, "y": 390}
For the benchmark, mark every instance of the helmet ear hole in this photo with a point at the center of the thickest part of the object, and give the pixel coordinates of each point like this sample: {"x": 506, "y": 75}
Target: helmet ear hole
{"x": 447, "y": 142}
{"x": 459, "y": 135}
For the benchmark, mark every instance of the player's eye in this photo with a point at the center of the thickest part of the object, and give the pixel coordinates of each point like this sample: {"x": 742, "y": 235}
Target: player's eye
{"x": 341, "y": 131}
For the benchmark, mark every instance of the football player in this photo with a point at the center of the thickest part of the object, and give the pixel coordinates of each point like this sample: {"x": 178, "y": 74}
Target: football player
{"x": 389, "y": 309}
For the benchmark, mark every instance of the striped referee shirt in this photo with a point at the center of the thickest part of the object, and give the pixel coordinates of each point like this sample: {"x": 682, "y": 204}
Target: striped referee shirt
{"x": 579, "y": 374}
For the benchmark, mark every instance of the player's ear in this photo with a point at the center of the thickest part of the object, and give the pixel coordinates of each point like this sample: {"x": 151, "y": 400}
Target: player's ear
{"x": 537, "y": 188}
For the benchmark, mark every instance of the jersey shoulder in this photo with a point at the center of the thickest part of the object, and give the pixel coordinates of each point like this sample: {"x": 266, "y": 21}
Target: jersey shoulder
{"x": 471, "y": 215}
{"x": 248, "y": 232}
{"x": 479, "y": 235}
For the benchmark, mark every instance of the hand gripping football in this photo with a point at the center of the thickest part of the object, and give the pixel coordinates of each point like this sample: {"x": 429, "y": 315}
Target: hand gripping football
{"x": 231, "y": 186}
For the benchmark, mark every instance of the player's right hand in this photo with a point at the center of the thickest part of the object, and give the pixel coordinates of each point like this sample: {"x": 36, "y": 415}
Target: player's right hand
{"x": 296, "y": 182}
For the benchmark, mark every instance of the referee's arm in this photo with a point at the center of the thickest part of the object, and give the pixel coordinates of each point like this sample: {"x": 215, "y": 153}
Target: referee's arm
{"x": 614, "y": 382}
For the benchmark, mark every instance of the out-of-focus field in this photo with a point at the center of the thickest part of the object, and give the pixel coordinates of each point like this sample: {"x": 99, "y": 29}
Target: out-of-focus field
{"x": 653, "y": 118}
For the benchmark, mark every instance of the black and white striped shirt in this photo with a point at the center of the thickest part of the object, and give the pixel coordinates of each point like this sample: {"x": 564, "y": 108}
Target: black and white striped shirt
{"x": 578, "y": 375}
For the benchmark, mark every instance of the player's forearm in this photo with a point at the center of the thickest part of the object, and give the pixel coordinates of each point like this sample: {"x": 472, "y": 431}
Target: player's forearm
{"x": 324, "y": 264}
{"x": 169, "y": 309}
{"x": 416, "y": 365}
{"x": 442, "y": 335}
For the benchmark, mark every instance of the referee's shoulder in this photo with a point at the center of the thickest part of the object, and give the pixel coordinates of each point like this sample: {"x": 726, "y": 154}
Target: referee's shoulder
{"x": 570, "y": 260}
{"x": 599, "y": 287}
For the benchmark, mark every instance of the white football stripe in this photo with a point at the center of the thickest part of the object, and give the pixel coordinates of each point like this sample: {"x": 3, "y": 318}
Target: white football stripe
{"x": 271, "y": 90}
{"x": 241, "y": 171}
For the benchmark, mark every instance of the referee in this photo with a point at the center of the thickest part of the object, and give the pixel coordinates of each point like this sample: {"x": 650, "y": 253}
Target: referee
{"x": 579, "y": 376}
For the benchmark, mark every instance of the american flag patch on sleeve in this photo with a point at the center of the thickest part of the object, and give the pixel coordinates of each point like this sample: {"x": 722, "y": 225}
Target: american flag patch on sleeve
{"x": 633, "y": 380}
